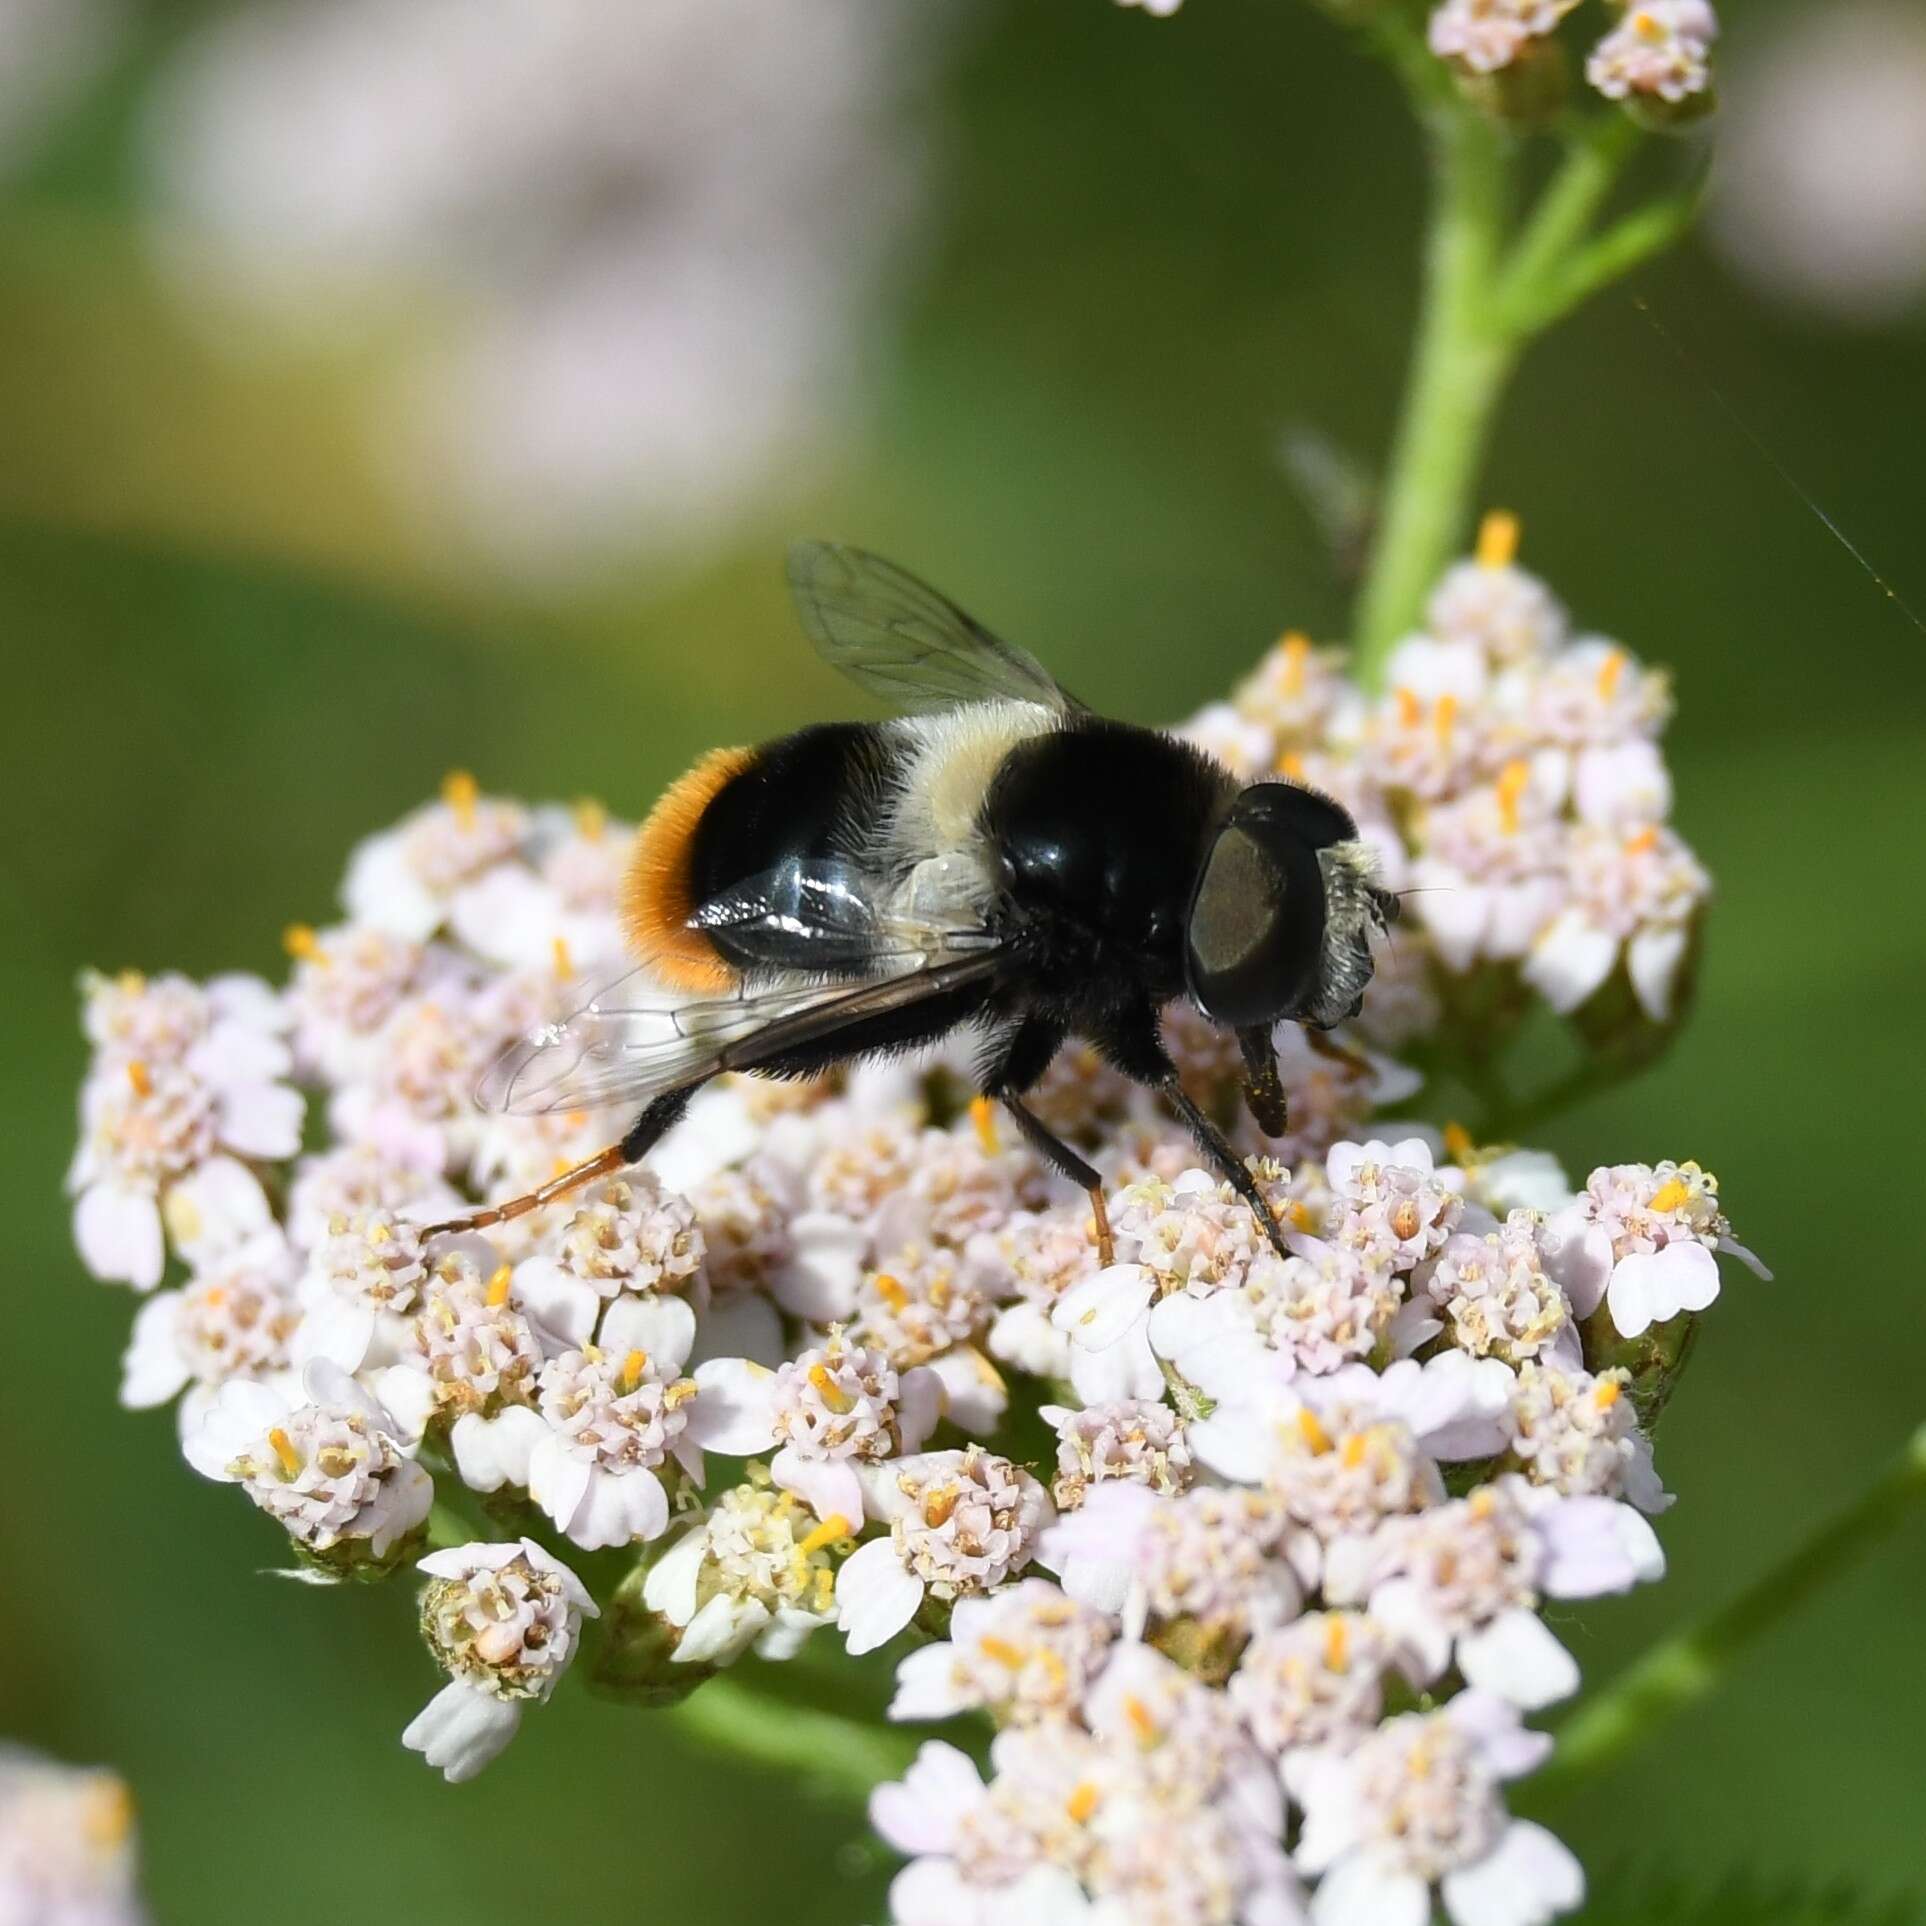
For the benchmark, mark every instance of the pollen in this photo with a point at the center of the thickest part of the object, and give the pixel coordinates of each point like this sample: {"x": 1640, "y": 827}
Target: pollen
{"x": 1351, "y": 1453}
{"x": 1457, "y": 1142}
{"x": 1608, "y": 1394}
{"x": 1512, "y": 779}
{"x": 1297, "y": 659}
{"x": 678, "y": 1393}
{"x": 1084, "y": 1800}
{"x": 1648, "y": 26}
{"x": 498, "y": 1285}
{"x": 1610, "y": 673}
{"x": 1498, "y": 536}
{"x": 283, "y": 1448}
{"x": 1337, "y": 1643}
{"x": 938, "y": 1505}
{"x": 301, "y": 943}
{"x": 1291, "y": 764}
{"x": 890, "y": 1291}
{"x": 108, "y": 1814}
{"x": 1410, "y": 709}
{"x": 1669, "y": 1196}
{"x": 1444, "y": 718}
{"x": 833, "y": 1527}
{"x": 632, "y": 1368}
{"x": 1301, "y": 1215}
{"x": 1000, "y": 1650}
{"x": 591, "y": 819}
{"x": 831, "y": 1393}
{"x": 564, "y": 962}
{"x": 461, "y": 793}
{"x": 983, "y": 1115}
{"x": 1142, "y": 1721}
{"x": 1645, "y": 841}
{"x": 139, "y": 1077}
{"x": 1313, "y": 1432}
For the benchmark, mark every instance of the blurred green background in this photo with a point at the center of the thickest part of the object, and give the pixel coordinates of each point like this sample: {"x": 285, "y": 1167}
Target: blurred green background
{"x": 1139, "y": 256}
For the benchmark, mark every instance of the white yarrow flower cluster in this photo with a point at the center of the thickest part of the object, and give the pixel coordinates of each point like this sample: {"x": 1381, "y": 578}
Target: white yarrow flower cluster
{"x": 1195, "y": 1518}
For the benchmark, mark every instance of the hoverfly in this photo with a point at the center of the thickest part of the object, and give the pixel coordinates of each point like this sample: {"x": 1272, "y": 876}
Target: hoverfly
{"x": 998, "y": 856}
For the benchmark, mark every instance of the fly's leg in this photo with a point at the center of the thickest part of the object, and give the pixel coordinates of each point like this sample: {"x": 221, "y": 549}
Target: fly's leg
{"x": 1014, "y": 1063}
{"x": 642, "y": 1137}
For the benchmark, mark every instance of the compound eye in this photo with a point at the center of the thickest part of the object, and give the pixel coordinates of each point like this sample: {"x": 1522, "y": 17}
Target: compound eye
{"x": 1259, "y": 899}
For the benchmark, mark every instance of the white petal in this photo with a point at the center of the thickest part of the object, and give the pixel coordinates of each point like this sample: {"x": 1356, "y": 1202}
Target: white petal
{"x": 262, "y": 1120}
{"x": 1100, "y": 1310}
{"x": 493, "y": 1452}
{"x": 557, "y": 1480}
{"x": 739, "y": 1324}
{"x": 557, "y": 1299}
{"x": 1578, "y": 1257}
{"x": 918, "y": 1813}
{"x": 734, "y": 1411}
{"x": 661, "y": 1327}
{"x": 1570, "y": 961}
{"x": 1126, "y": 1369}
{"x": 1649, "y": 1287}
{"x": 1594, "y": 1546}
{"x": 1652, "y": 960}
{"x": 1361, "y": 1890}
{"x": 828, "y": 1486}
{"x": 1528, "y": 1879}
{"x": 619, "y": 1508}
{"x": 408, "y": 1396}
{"x": 974, "y": 1395}
{"x": 875, "y": 1596}
{"x": 1517, "y": 1657}
{"x": 1493, "y": 1726}
{"x": 461, "y": 1729}
{"x": 152, "y": 1369}
{"x": 1024, "y": 1338}
{"x": 335, "y": 1331}
{"x": 1237, "y": 1441}
{"x": 215, "y": 1209}
{"x": 819, "y": 1281}
{"x": 239, "y": 1416}
{"x": 927, "y": 1685}
{"x": 117, "y": 1231}
{"x": 670, "y": 1587}
{"x": 721, "y": 1631}
{"x": 788, "y": 1632}
{"x": 919, "y": 1405}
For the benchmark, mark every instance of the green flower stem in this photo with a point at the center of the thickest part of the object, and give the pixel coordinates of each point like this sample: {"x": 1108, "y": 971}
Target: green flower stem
{"x": 1569, "y": 204}
{"x": 1458, "y": 372}
{"x": 1682, "y": 1670}
{"x": 822, "y": 1752}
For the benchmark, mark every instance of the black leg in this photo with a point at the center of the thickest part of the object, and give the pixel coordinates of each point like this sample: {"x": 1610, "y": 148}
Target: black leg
{"x": 1263, "y": 1087}
{"x": 1132, "y": 1042}
{"x": 643, "y": 1135}
{"x": 1013, "y": 1065}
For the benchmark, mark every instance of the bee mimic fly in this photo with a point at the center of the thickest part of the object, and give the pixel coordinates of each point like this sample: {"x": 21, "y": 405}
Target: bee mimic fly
{"x": 997, "y": 856}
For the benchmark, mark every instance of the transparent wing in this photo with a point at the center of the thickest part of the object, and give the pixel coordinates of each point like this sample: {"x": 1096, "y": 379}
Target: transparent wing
{"x": 631, "y": 1043}
{"x": 901, "y": 640}
{"x": 824, "y": 914}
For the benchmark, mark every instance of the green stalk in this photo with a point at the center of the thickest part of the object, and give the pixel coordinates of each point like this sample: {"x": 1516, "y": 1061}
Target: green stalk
{"x": 1458, "y": 371}
{"x": 823, "y": 1752}
{"x": 1680, "y": 1671}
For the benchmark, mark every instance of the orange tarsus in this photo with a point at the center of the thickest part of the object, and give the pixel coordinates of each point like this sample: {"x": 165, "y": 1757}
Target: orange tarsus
{"x": 599, "y": 1165}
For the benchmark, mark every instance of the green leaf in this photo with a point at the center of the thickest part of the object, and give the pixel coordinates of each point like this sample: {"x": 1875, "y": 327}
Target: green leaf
{"x": 1639, "y": 1897}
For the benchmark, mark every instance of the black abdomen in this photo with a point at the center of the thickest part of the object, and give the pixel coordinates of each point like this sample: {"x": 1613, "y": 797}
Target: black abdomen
{"x": 1099, "y": 830}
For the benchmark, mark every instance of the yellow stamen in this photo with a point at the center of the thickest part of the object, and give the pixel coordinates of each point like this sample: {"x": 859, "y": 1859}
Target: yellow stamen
{"x": 498, "y": 1284}
{"x": 1458, "y": 1145}
{"x": 1351, "y": 1453}
{"x": 632, "y": 1368}
{"x": 1512, "y": 781}
{"x": 890, "y": 1291}
{"x": 1297, "y": 659}
{"x": 1498, "y": 537}
{"x": 1011, "y": 1657}
{"x": 831, "y": 1393}
{"x": 1085, "y": 1798}
{"x": 1444, "y": 717}
{"x": 138, "y": 1076}
{"x": 983, "y": 1115}
{"x": 1302, "y": 1216}
{"x": 1337, "y": 1643}
{"x": 1609, "y": 673}
{"x": 591, "y": 819}
{"x": 564, "y": 962}
{"x": 460, "y": 792}
{"x": 678, "y": 1393}
{"x": 1410, "y": 709}
{"x": 833, "y": 1527}
{"x": 107, "y": 1812}
{"x": 284, "y": 1450}
{"x": 1314, "y": 1433}
{"x": 938, "y": 1505}
{"x": 1142, "y": 1722}
{"x": 1649, "y": 27}
{"x": 1291, "y": 764}
{"x": 1669, "y": 1195}
{"x": 1608, "y": 1394}
{"x": 300, "y": 942}
{"x": 1644, "y": 841}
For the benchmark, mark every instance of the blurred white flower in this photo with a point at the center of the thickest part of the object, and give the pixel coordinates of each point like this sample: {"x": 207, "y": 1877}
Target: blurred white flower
{"x": 67, "y": 1844}
{"x": 53, "y": 49}
{"x": 1819, "y": 197}
{"x": 654, "y": 238}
